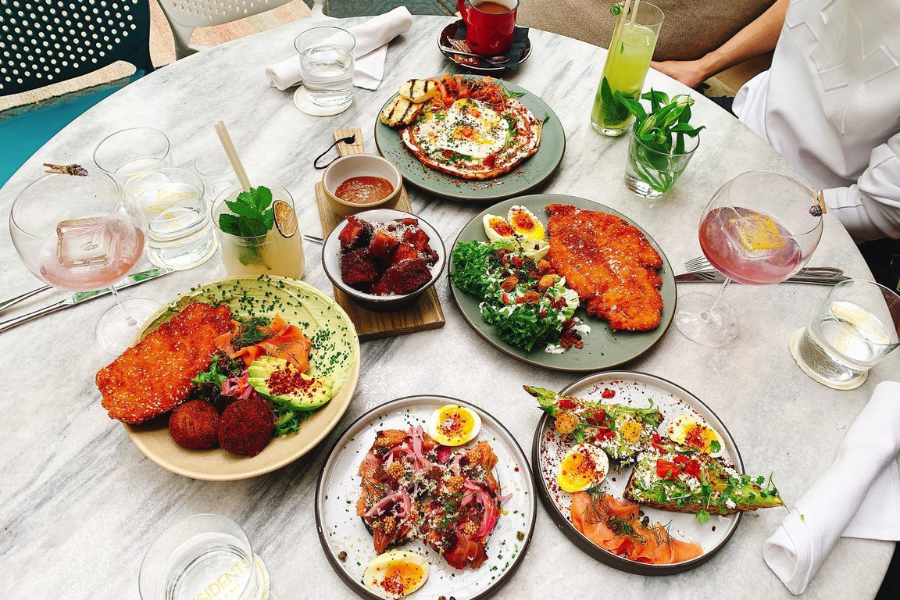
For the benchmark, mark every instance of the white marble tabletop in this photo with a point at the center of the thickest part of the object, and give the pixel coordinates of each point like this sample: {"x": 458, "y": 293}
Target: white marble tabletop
{"x": 79, "y": 503}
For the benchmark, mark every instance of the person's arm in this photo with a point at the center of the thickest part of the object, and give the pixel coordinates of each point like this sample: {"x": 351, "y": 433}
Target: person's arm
{"x": 757, "y": 38}
{"x": 870, "y": 209}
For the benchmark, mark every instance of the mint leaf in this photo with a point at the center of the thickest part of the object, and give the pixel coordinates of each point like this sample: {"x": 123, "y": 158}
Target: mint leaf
{"x": 251, "y": 213}
{"x": 703, "y": 517}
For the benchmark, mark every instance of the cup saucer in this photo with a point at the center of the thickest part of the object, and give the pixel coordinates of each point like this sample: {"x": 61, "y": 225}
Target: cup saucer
{"x": 474, "y": 64}
{"x": 304, "y": 104}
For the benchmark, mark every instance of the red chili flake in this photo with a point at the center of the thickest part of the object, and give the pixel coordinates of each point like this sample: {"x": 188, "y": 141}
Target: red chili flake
{"x": 608, "y": 393}
{"x": 288, "y": 381}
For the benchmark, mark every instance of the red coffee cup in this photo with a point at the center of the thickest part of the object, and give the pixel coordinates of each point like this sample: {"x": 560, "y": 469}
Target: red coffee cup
{"x": 490, "y": 24}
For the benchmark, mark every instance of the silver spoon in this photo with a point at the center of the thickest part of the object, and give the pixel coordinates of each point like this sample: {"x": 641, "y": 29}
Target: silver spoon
{"x": 497, "y": 60}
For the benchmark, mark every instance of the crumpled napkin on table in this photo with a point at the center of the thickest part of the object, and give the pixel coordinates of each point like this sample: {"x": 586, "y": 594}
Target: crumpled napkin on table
{"x": 372, "y": 39}
{"x": 858, "y": 496}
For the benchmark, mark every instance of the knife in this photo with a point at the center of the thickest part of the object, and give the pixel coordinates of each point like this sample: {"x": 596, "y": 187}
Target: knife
{"x": 79, "y": 297}
{"x": 716, "y": 277}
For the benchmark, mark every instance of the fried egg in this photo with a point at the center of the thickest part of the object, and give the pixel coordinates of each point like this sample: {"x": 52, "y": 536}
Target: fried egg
{"x": 469, "y": 128}
{"x": 453, "y": 425}
{"x": 583, "y": 465}
{"x": 497, "y": 228}
{"x": 525, "y": 224}
{"x": 395, "y": 574}
{"x": 692, "y": 432}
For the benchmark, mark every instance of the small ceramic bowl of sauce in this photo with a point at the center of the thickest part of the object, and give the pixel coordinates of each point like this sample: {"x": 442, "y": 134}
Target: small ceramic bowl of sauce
{"x": 361, "y": 182}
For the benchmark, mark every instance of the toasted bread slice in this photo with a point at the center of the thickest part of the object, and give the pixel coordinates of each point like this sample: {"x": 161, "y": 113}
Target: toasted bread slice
{"x": 400, "y": 112}
{"x": 152, "y": 378}
{"x": 662, "y": 478}
{"x": 418, "y": 90}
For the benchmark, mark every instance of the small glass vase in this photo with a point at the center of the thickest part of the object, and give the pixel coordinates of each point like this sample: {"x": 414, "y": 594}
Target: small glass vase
{"x": 650, "y": 173}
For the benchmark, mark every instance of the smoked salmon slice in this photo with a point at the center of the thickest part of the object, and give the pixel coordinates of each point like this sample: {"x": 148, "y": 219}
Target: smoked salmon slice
{"x": 614, "y": 525}
{"x": 283, "y": 341}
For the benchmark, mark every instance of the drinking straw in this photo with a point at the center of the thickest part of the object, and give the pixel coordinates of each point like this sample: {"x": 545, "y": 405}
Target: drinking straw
{"x": 637, "y": 4}
{"x": 232, "y": 154}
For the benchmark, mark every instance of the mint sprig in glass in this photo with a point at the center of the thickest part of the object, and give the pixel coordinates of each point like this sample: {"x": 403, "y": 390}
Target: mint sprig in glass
{"x": 662, "y": 143}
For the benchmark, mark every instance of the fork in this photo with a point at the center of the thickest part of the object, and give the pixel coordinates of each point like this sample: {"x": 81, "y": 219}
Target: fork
{"x": 701, "y": 263}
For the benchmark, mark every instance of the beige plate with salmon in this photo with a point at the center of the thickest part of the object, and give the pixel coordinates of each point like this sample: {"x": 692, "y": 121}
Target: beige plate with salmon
{"x": 319, "y": 313}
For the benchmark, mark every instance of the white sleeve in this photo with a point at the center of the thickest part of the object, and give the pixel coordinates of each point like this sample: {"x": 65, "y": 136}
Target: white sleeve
{"x": 870, "y": 209}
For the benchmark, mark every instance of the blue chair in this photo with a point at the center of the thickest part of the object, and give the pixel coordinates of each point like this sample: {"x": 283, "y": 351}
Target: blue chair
{"x": 46, "y": 41}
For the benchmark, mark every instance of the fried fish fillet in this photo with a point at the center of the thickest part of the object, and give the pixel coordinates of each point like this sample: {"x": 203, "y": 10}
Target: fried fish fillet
{"x": 154, "y": 376}
{"x": 609, "y": 263}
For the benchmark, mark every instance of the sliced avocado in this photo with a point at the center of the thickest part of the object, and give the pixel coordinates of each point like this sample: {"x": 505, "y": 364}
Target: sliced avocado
{"x": 296, "y": 390}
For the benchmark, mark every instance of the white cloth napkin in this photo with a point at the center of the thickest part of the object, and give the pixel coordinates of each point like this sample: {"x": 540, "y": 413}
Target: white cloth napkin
{"x": 858, "y": 496}
{"x": 372, "y": 39}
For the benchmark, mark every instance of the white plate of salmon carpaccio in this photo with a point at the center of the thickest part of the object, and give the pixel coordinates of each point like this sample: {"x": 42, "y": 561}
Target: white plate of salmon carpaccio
{"x": 426, "y": 497}
{"x": 641, "y": 474}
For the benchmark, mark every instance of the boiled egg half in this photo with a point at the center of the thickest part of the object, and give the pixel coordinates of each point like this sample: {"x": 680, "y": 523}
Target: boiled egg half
{"x": 583, "y": 465}
{"x": 693, "y": 432}
{"x": 497, "y": 228}
{"x": 525, "y": 224}
{"x": 395, "y": 574}
{"x": 454, "y": 425}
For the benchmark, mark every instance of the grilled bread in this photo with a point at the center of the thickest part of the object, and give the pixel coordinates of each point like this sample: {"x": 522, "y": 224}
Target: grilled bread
{"x": 400, "y": 112}
{"x": 418, "y": 90}
{"x": 677, "y": 479}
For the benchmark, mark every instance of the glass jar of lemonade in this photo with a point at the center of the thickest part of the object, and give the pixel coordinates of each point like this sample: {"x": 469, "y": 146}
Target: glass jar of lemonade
{"x": 258, "y": 231}
{"x": 627, "y": 62}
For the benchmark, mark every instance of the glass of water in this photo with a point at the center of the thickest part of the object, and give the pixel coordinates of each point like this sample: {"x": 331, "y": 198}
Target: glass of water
{"x": 203, "y": 556}
{"x": 856, "y": 327}
{"x": 179, "y": 230}
{"x": 131, "y": 152}
{"x": 326, "y": 65}
{"x": 216, "y": 171}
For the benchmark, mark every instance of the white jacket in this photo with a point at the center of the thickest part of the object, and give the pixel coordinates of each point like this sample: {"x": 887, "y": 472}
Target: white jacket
{"x": 831, "y": 105}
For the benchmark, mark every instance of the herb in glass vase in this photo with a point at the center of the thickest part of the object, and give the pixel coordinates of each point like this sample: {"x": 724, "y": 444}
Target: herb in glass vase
{"x": 662, "y": 144}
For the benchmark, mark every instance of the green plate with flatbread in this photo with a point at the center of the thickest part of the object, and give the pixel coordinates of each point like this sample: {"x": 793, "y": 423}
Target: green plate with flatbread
{"x": 603, "y": 348}
{"x": 527, "y": 176}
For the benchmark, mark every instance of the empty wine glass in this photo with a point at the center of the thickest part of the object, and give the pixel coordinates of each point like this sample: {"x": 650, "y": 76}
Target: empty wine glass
{"x": 83, "y": 234}
{"x": 759, "y": 228}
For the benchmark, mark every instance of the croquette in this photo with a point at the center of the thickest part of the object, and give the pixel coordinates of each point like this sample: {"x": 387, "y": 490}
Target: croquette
{"x": 246, "y": 427}
{"x": 195, "y": 425}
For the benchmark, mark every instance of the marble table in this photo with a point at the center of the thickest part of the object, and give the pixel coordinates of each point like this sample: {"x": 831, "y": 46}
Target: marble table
{"x": 79, "y": 503}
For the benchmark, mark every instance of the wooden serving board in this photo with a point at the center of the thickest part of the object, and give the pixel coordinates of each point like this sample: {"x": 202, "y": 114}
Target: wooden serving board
{"x": 423, "y": 315}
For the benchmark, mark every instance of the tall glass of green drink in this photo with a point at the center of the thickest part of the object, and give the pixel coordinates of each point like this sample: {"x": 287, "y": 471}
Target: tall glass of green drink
{"x": 627, "y": 63}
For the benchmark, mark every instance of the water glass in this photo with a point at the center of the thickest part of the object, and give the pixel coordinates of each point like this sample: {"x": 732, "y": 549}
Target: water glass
{"x": 326, "y": 65}
{"x": 651, "y": 173}
{"x": 179, "y": 232}
{"x": 203, "y": 556}
{"x": 279, "y": 252}
{"x": 131, "y": 152}
{"x": 856, "y": 327}
{"x": 216, "y": 171}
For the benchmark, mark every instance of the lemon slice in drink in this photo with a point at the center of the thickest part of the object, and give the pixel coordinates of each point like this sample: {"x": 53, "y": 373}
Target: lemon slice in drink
{"x": 758, "y": 232}
{"x": 285, "y": 218}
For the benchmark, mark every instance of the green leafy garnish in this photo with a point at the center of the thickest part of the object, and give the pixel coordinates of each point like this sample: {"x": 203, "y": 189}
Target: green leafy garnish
{"x": 214, "y": 375}
{"x": 714, "y": 446}
{"x": 252, "y": 216}
{"x": 703, "y": 517}
{"x": 614, "y": 111}
{"x": 659, "y": 157}
{"x": 252, "y": 331}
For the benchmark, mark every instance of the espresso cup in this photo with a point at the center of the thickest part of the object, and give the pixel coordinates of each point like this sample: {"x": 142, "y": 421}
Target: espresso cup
{"x": 490, "y": 24}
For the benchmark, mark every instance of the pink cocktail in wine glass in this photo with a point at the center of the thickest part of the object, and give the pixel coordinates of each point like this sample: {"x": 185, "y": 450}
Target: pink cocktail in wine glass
{"x": 760, "y": 228}
{"x": 83, "y": 234}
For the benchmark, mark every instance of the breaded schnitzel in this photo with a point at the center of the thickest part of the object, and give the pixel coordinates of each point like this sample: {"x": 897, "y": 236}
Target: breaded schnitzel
{"x": 154, "y": 376}
{"x": 609, "y": 263}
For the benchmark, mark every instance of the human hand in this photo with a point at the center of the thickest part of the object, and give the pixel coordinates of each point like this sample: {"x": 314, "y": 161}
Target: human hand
{"x": 689, "y": 72}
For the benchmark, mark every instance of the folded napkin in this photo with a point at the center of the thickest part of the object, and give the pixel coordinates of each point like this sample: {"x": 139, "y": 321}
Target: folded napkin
{"x": 372, "y": 38}
{"x": 858, "y": 496}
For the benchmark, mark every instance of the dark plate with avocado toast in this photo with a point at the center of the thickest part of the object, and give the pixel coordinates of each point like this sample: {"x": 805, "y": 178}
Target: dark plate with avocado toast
{"x": 271, "y": 372}
{"x": 641, "y": 474}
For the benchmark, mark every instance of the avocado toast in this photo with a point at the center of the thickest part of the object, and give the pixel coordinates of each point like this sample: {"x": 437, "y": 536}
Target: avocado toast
{"x": 679, "y": 479}
{"x": 619, "y": 430}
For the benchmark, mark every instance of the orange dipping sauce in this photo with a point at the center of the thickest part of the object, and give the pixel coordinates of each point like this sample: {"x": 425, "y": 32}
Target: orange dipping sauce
{"x": 365, "y": 189}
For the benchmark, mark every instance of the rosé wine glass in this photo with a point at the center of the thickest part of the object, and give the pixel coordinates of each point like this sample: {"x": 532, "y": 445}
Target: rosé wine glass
{"x": 759, "y": 228}
{"x": 82, "y": 234}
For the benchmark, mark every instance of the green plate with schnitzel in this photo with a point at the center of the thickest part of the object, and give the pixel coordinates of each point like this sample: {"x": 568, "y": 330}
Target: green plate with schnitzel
{"x": 603, "y": 348}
